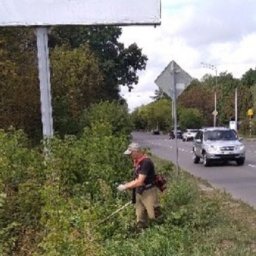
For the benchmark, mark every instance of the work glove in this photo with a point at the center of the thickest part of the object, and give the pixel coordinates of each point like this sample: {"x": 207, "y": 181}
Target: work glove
{"x": 121, "y": 187}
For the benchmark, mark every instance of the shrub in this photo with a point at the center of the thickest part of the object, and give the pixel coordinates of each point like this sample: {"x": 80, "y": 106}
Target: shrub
{"x": 21, "y": 176}
{"x": 181, "y": 191}
{"x": 108, "y": 113}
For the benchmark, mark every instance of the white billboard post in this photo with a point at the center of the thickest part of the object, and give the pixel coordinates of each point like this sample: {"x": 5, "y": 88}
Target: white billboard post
{"x": 173, "y": 81}
{"x": 45, "y": 13}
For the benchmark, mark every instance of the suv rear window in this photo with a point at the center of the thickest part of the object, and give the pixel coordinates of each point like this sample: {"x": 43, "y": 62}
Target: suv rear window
{"x": 220, "y": 135}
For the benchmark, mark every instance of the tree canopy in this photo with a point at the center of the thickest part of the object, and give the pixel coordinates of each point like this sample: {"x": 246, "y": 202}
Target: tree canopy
{"x": 88, "y": 64}
{"x": 119, "y": 65}
{"x": 156, "y": 115}
{"x": 196, "y": 103}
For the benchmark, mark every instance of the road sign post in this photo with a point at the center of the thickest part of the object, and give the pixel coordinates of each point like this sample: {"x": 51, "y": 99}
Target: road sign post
{"x": 213, "y": 67}
{"x": 173, "y": 81}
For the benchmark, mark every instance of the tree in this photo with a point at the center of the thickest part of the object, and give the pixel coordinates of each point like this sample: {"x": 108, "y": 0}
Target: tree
{"x": 156, "y": 114}
{"x": 119, "y": 65}
{"x": 112, "y": 114}
{"x": 198, "y": 95}
{"x": 226, "y": 97}
{"x": 160, "y": 94}
{"x": 249, "y": 77}
{"x": 253, "y": 92}
{"x": 190, "y": 118}
{"x": 137, "y": 120}
{"x": 76, "y": 83}
{"x": 20, "y": 100}
{"x": 245, "y": 101}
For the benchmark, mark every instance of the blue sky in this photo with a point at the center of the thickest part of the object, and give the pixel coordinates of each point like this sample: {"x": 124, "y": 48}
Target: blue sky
{"x": 221, "y": 33}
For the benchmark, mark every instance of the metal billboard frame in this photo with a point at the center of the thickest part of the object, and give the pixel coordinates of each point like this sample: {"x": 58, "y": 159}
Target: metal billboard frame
{"x": 79, "y": 12}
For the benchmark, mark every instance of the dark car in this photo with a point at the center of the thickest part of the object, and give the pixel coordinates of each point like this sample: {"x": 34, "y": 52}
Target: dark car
{"x": 172, "y": 134}
{"x": 156, "y": 132}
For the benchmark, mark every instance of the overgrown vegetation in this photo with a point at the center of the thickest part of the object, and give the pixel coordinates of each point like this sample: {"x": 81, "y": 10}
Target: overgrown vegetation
{"x": 59, "y": 203}
{"x": 88, "y": 65}
{"x": 57, "y": 200}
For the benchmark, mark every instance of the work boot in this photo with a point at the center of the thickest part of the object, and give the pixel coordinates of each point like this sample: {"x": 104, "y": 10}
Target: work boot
{"x": 158, "y": 212}
{"x": 141, "y": 225}
{"x": 159, "y": 217}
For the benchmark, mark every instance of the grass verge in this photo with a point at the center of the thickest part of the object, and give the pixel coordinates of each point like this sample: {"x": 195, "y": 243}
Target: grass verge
{"x": 198, "y": 220}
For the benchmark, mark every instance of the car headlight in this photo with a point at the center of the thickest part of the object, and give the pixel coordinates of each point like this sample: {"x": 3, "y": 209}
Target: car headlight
{"x": 240, "y": 148}
{"x": 212, "y": 149}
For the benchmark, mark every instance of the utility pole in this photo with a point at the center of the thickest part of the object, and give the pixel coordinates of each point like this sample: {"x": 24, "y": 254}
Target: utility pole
{"x": 213, "y": 67}
{"x": 236, "y": 119}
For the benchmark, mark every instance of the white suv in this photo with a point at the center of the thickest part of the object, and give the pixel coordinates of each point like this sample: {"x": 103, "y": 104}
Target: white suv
{"x": 218, "y": 144}
{"x": 189, "y": 134}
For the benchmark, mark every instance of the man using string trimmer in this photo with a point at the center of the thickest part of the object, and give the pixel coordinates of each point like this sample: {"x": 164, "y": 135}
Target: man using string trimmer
{"x": 143, "y": 186}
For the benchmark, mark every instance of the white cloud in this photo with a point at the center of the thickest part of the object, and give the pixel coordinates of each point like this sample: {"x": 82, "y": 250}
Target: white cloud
{"x": 218, "y": 32}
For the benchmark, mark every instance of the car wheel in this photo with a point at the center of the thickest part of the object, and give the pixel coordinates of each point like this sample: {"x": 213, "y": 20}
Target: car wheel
{"x": 206, "y": 161}
{"x": 196, "y": 159}
{"x": 240, "y": 161}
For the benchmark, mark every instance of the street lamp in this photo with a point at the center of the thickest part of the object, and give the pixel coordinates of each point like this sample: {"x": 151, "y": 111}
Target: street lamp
{"x": 213, "y": 67}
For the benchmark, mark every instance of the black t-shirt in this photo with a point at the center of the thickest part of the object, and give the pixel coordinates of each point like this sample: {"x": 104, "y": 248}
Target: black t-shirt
{"x": 146, "y": 167}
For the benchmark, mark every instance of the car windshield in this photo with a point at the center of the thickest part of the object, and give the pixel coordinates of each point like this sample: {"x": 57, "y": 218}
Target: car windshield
{"x": 220, "y": 135}
{"x": 178, "y": 131}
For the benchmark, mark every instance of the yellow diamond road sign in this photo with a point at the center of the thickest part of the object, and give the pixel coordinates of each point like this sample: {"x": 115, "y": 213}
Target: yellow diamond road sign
{"x": 250, "y": 112}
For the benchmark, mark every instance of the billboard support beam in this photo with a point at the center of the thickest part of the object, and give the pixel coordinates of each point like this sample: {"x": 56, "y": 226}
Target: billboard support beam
{"x": 44, "y": 79}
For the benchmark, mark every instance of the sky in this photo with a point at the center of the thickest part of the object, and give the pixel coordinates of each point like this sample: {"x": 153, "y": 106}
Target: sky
{"x": 192, "y": 32}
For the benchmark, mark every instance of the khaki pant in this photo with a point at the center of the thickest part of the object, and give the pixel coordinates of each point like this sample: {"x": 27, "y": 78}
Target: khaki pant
{"x": 146, "y": 205}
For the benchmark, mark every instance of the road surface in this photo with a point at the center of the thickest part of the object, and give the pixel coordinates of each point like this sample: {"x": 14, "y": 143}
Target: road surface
{"x": 239, "y": 181}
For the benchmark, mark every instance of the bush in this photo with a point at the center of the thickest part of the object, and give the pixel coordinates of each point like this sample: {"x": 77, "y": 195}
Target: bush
{"x": 109, "y": 113}
{"x": 21, "y": 176}
{"x": 181, "y": 192}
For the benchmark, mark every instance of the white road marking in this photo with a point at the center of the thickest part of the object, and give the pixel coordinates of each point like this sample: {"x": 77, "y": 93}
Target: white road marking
{"x": 252, "y": 165}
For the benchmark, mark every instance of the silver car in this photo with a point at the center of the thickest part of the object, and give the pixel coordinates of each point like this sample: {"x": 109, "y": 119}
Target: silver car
{"x": 218, "y": 144}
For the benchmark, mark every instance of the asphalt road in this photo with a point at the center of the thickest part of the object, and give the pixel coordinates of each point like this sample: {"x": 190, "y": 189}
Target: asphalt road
{"x": 239, "y": 181}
